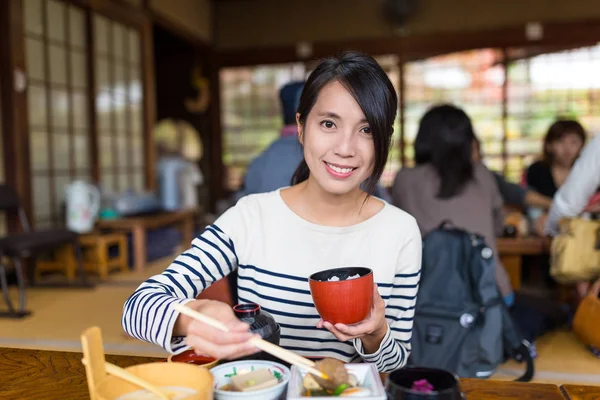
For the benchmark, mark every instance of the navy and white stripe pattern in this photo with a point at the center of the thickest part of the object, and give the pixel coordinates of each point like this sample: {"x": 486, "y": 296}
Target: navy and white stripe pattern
{"x": 281, "y": 290}
{"x": 147, "y": 314}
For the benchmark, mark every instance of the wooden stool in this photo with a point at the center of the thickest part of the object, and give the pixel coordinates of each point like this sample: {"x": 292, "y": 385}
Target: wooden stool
{"x": 95, "y": 252}
{"x": 95, "y": 248}
{"x": 64, "y": 262}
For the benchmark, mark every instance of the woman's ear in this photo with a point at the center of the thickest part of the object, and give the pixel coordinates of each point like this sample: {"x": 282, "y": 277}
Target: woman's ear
{"x": 300, "y": 129}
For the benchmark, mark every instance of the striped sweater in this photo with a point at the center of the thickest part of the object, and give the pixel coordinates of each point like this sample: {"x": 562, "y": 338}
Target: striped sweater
{"x": 275, "y": 251}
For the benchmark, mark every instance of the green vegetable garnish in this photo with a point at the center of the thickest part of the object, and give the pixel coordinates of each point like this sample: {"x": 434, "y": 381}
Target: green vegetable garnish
{"x": 251, "y": 382}
{"x": 233, "y": 374}
{"x": 340, "y": 389}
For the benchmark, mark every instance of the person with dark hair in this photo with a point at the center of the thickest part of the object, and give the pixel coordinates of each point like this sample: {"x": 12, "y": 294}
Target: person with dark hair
{"x": 446, "y": 184}
{"x": 276, "y": 240}
{"x": 562, "y": 144}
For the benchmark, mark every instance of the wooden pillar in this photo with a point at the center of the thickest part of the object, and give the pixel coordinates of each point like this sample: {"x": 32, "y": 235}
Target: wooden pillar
{"x": 13, "y": 92}
{"x": 149, "y": 86}
{"x": 217, "y": 183}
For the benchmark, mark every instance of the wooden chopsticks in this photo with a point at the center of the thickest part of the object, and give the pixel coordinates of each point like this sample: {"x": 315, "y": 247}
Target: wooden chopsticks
{"x": 262, "y": 344}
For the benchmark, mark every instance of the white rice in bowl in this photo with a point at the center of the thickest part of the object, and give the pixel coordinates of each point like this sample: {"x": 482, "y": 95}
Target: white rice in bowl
{"x": 336, "y": 278}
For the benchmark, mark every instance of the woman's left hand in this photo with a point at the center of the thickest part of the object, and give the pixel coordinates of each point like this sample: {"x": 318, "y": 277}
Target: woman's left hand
{"x": 374, "y": 325}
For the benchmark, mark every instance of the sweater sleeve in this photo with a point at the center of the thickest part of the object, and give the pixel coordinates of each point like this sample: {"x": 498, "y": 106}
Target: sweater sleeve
{"x": 395, "y": 347}
{"x": 148, "y": 313}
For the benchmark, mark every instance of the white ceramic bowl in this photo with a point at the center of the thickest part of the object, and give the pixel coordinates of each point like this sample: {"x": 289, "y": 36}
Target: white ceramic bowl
{"x": 222, "y": 373}
{"x": 366, "y": 374}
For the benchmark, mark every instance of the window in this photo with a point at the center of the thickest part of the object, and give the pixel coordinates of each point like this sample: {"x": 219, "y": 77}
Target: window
{"x": 542, "y": 88}
{"x": 119, "y": 105}
{"x": 58, "y": 103}
{"x": 251, "y": 113}
{"x": 61, "y": 98}
{"x": 471, "y": 80}
{"x": 510, "y": 118}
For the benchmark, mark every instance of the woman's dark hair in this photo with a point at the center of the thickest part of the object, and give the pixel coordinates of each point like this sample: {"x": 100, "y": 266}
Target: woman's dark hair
{"x": 370, "y": 86}
{"x": 445, "y": 140}
{"x": 556, "y": 132}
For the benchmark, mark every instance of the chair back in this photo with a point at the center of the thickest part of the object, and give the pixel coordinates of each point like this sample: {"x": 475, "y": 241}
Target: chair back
{"x": 9, "y": 200}
{"x": 10, "y": 203}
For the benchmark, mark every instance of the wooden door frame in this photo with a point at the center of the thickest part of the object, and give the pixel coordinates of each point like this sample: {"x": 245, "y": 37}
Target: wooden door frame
{"x": 15, "y": 121}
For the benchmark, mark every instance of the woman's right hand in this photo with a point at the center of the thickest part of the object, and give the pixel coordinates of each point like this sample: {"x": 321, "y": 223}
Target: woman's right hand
{"x": 206, "y": 340}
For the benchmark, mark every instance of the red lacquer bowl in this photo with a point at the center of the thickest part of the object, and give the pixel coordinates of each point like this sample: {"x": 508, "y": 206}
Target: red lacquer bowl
{"x": 346, "y": 301}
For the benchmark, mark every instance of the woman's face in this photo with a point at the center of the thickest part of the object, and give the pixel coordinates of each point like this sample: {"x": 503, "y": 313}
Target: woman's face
{"x": 566, "y": 149}
{"x": 337, "y": 141}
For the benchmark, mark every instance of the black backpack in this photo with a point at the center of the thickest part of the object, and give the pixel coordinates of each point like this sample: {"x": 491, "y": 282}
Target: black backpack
{"x": 461, "y": 323}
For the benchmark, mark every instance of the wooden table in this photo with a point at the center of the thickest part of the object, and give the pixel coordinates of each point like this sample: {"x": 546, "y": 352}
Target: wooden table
{"x": 139, "y": 225}
{"x": 511, "y": 251}
{"x": 495, "y": 390}
{"x": 37, "y": 374}
{"x": 575, "y": 392}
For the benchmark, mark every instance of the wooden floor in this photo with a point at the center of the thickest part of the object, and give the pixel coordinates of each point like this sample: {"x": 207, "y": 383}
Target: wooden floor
{"x": 59, "y": 317}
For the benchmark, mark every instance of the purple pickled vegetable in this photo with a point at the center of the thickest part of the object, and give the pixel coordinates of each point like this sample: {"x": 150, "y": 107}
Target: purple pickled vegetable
{"x": 422, "y": 386}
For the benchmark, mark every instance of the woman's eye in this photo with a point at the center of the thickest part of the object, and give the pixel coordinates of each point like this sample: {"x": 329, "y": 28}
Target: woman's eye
{"x": 366, "y": 130}
{"x": 328, "y": 124}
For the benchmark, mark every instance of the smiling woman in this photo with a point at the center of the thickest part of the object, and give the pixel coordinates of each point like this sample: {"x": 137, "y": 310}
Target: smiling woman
{"x": 277, "y": 240}
{"x": 353, "y": 115}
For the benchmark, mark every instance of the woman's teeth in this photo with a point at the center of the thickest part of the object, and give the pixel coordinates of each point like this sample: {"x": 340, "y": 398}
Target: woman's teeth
{"x": 338, "y": 169}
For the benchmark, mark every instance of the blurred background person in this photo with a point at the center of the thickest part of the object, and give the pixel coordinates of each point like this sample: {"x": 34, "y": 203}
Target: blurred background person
{"x": 562, "y": 144}
{"x": 447, "y": 184}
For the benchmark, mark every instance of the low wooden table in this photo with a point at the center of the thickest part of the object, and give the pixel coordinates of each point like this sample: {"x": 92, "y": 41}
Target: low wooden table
{"x": 40, "y": 375}
{"x": 511, "y": 251}
{"x": 139, "y": 225}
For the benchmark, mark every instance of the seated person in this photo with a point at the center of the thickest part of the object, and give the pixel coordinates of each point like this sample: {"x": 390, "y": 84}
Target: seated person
{"x": 276, "y": 240}
{"x": 562, "y": 145}
{"x": 446, "y": 184}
